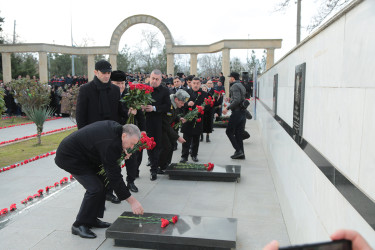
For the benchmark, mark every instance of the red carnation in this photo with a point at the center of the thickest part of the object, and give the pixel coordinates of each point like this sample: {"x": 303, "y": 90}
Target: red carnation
{"x": 199, "y": 120}
{"x": 24, "y": 201}
{"x": 199, "y": 93}
{"x": 174, "y": 219}
{"x": 40, "y": 191}
{"x": 164, "y": 222}
{"x": 47, "y": 189}
{"x": 13, "y": 207}
{"x": 4, "y": 211}
{"x": 56, "y": 184}
{"x": 71, "y": 177}
{"x": 190, "y": 109}
{"x": 30, "y": 198}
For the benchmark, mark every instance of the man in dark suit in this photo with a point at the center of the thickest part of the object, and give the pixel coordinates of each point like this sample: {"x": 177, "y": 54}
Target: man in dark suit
{"x": 99, "y": 100}
{"x": 170, "y": 135}
{"x": 192, "y": 129}
{"x": 82, "y": 153}
{"x": 154, "y": 112}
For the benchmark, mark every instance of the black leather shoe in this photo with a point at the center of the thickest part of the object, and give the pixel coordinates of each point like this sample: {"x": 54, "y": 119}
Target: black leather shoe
{"x": 132, "y": 187}
{"x": 83, "y": 232}
{"x": 208, "y": 139}
{"x": 194, "y": 158}
{"x": 161, "y": 171}
{"x": 112, "y": 198}
{"x": 238, "y": 155}
{"x": 101, "y": 224}
{"x": 183, "y": 160}
{"x": 153, "y": 176}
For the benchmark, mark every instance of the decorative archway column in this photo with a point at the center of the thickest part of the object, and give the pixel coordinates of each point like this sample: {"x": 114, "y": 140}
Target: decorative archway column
{"x": 270, "y": 58}
{"x": 90, "y": 67}
{"x": 225, "y": 68}
{"x": 7, "y": 68}
{"x": 43, "y": 67}
{"x": 113, "y": 61}
{"x": 193, "y": 64}
{"x": 170, "y": 64}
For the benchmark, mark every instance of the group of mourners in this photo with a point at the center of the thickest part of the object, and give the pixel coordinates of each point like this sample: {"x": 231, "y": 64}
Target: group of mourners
{"x": 103, "y": 136}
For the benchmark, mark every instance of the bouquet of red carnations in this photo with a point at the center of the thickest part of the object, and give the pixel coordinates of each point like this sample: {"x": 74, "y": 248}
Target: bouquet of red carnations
{"x": 144, "y": 143}
{"x": 139, "y": 94}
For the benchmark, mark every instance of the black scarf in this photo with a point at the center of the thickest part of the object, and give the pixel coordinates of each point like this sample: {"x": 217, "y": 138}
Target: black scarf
{"x": 104, "y": 109}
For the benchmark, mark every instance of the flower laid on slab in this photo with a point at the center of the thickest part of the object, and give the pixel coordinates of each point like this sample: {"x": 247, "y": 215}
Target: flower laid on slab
{"x": 40, "y": 191}
{"x": 209, "y": 166}
{"x": 152, "y": 220}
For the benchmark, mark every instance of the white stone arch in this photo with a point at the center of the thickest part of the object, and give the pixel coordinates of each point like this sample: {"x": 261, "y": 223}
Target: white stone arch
{"x": 136, "y": 19}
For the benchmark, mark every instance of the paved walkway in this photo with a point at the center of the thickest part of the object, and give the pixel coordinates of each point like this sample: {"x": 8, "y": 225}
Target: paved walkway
{"x": 253, "y": 201}
{"x": 7, "y": 134}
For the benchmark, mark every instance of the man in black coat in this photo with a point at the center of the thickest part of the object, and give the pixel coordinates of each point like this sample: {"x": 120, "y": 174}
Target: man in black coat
{"x": 118, "y": 78}
{"x": 82, "y": 153}
{"x": 170, "y": 135}
{"x": 192, "y": 129}
{"x": 154, "y": 112}
{"x": 98, "y": 100}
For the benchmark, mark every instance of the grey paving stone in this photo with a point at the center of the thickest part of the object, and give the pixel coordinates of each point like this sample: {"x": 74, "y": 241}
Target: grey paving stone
{"x": 253, "y": 201}
{"x": 30, "y": 129}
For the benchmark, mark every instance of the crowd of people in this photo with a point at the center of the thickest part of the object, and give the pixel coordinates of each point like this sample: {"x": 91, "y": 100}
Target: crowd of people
{"x": 99, "y": 108}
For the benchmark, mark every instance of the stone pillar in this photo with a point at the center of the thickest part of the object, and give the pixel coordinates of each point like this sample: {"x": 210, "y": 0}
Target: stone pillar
{"x": 43, "y": 67}
{"x": 193, "y": 64}
{"x": 7, "y": 67}
{"x": 113, "y": 61}
{"x": 90, "y": 67}
{"x": 225, "y": 68}
{"x": 170, "y": 64}
{"x": 270, "y": 58}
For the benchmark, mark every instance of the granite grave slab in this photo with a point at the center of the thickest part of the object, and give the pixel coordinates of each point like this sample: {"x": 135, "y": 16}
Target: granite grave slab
{"x": 218, "y": 173}
{"x": 190, "y": 232}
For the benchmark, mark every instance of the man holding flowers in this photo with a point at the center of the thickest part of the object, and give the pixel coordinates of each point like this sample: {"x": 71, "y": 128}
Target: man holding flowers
{"x": 192, "y": 129}
{"x": 154, "y": 111}
{"x": 170, "y": 135}
{"x": 82, "y": 153}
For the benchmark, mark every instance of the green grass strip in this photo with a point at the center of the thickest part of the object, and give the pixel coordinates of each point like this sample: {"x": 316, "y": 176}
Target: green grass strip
{"x": 23, "y": 150}
{"x": 14, "y": 121}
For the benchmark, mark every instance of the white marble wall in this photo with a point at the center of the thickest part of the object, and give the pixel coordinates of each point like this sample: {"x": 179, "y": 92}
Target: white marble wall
{"x": 339, "y": 121}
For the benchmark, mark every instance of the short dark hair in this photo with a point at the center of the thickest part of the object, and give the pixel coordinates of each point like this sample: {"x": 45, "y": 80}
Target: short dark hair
{"x": 196, "y": 79}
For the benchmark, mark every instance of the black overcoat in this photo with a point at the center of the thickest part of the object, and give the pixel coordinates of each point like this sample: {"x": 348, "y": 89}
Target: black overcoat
{"x": 88, "y": 104}
{"x": 83, "y": 151}
{"x": 193, "y": 127}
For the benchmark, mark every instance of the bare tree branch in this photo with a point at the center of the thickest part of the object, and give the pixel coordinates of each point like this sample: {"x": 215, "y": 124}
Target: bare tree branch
{"x": 325, "y": 9}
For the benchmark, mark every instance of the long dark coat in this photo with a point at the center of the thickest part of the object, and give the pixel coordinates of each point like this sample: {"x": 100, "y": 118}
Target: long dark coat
{"x": 193, "y": 127}
{"x": 88, "y": 104}
{"x": 83, "y": 151}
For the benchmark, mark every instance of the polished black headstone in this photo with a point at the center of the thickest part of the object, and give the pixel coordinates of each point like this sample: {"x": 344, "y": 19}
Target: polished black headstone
{"x": 190, "y": 232}
{"x": 218, "y": 173}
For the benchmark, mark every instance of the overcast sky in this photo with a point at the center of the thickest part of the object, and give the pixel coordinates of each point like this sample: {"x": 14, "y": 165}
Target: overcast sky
{"x": 190, "y": 22}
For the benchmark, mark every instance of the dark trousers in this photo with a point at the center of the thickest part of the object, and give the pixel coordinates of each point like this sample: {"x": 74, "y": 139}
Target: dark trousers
{"x": 132, "y": 166}
{"x": 154, "y": 130}
{"x": 235, "y": 128}
{"x": 194, "y": 141}
{"x": 93, "y": 202}
{"x": 167, "y": 151}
